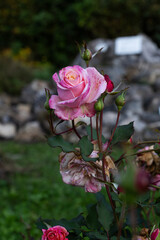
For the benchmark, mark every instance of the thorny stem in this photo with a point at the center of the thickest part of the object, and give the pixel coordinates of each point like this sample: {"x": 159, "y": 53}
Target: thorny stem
{"x": 91, "y": 129}
{"x": 148, "y": 213}
{"x": 121, "y": 221}
{"x": 69, "y": 130}
{"x": 140, "y": 152}
{"x": 103, "y": 169}
{"x": 75, "y": 130}
{"x": 146, "y": 142}
{"x": 97, "y": 130}
{"x": 133, "y": 221}
{"x": 107, "y": 235}
{"x": 107, "y": 189}
{"x": 100, "y": 136}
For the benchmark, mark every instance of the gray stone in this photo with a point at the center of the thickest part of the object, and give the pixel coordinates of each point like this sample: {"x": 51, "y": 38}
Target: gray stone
{"x": 150, "y": 117}
{"x": 7, "y": 130}
{"x": 133, "y": 107}
{"x": 30, "y": 132}
{"x": 29, "y": 93}
{"x": 109, "y": 118}
{"x": 22, "y": 113}
{"x": 154, "y": 105}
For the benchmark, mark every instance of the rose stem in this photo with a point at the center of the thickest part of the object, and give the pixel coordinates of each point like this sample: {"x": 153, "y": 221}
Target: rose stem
{"x": 146, "y": 142}
{"x": 97, "y": 130}
{"x": 145, "y": 151}
{"x": 121, "y": 221}
{"x": 110, "y": 140}
{"x": 107, "y": 235}
{"x": 74, "y": 129}
{"x": 107, "y": 189}
{"x": 91, "y": 129}
{"x": 133, "y": 221}
{"x": 100, "y": 137}
{"x": 149, "y": 211}
{"x": 69, "y": 130}
{"x": 103, "y": 168}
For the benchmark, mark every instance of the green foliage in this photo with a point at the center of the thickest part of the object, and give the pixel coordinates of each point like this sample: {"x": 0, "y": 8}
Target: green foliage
{"x": 58, "y": 141}
{"x": 50, "y": 28}
{"x": 33, "y": 187}
{"x": 123, "y": 133}
{"x": 105, "y": 214}
{"x": 92, "y": 226}
{"x": 13, "y": 76}
{"x": 86, "y": 148}
{"x": 88, "y": 129}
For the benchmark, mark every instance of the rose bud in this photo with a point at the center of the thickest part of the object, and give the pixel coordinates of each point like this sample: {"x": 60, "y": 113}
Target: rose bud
{"x": 155, "y": 234}
{"x": 142, "y": 180}
{"x": 120, "y": 101}
{"x": 99, "y": 105}
{"x": 110, "y": 85}
{"x": 86, "y": 55}
{"x": 48, "y": 95}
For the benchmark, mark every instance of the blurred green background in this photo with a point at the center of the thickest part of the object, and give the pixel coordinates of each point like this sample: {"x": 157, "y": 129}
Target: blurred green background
{"x": 36, "y": 39}
{"x": 42, "y": 34}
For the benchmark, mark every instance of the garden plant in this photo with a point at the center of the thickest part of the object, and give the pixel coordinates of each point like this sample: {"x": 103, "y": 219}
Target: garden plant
{"x": 124, "y": 175}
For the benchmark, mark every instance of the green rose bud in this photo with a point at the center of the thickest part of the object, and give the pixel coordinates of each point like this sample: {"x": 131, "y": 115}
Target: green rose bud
{"x": 46, "y": 104}
{"x": 120, "y": 101}
{"x": 99, "y": 105}
{"x": 86, "y": 55}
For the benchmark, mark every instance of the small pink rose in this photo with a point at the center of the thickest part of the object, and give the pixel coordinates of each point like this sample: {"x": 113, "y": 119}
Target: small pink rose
{"x": 155, "y": 234}
{"x": 110, "y": 85}
{"x": 78, "y": 90}
{"x": 55, "y": 233}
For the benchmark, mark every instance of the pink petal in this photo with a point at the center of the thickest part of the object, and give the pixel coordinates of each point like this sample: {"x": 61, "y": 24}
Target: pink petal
{"x": 71, "y": 92}
{"x": 93, "y": 186}
{"x": 155, "y": 233}
{"x": 65, "y": 93}
{"x": 55, "y": 77}
{"x": 98, "y": 84}
{"x": 88, "y": 110}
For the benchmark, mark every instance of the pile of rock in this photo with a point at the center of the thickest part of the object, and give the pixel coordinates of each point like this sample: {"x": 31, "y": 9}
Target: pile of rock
{"x": 22, "y": 118}
{"x": 25, "y": 119}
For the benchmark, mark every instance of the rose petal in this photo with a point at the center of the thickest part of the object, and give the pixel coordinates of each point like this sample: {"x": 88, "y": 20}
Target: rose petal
{"x": 98, "y": 84}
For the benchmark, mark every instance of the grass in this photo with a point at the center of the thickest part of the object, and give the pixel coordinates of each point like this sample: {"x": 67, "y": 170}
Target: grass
{"x": 31, "y": 186}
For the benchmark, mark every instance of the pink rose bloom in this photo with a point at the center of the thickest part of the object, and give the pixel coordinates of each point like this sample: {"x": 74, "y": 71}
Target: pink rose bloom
{"x": 78, "y": 89}
{"x": 55, "y": 233}
{"x": 77, "y": 172}
{"x": 110, "y": 85}
{"x": 155, "y": 234}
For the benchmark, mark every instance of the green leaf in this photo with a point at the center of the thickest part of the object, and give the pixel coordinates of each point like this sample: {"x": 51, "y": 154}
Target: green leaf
{"x": 58, "y": 141}
{"x": 92, "y": 217}
{"x": 121, "y": 238}
{"x": 96, "y": 236}
{"x": 86, "y": 148}
{"x": 158, "y": 237}
{"x": 68, "y": 224}
{"x": 88, "y": 129}
{"x": 123, "y": 133}
{"x": 157, "y": 148}
{"x": 105, "y": 214}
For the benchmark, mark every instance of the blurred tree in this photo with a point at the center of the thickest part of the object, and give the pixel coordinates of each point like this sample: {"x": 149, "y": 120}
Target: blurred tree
{"x": 50, "y": 27}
